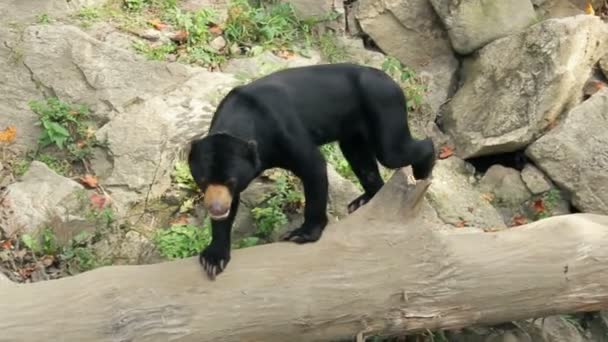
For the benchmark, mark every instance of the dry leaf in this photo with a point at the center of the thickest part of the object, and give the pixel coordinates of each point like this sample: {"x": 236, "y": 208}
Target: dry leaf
{"x": 488, "y": 196}
{"x": 215, "y": 29}
{"x": 48, "y": 260}
{"x": 6, "y": 244}
{"x": 99, "y": 201}
{"x": 90, "y": 132}
{"x": 518, "y": 220}
{"x": 8, "y": 134}
{"x": 180, "y": 37}
{"x": 182, "y": 219}
{"x": 539, "y": 206}
{"x": 89, "y": 180}
{"x": 461, "y": 223}
{"x": 157, "y": 24}
{"x": 589, "y": 8}
{"x": 446, "y": 151}
{"x": 285, "y": 54}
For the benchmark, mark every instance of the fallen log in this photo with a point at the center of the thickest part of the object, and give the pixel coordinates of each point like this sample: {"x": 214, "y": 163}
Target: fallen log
{"x": 382, "y": 270}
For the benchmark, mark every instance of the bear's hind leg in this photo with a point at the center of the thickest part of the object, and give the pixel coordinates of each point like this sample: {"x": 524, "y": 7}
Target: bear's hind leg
{"x": 361, "y": 158}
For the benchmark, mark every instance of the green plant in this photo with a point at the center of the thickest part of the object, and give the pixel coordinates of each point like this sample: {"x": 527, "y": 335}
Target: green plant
{"x": 182, "y": 240}
{"x": 78, "y": 254}
{"x": 20, "y": 167}
{"x": 43, "y": 18}
{"x": 272, "y": 214}
{"x": 65, "y": 126}
{"x": 249, "y": 241}
{"x": 61, "y": 167}
{"x": 135, "y": 5}
{"x": 331, "y": 49}
{"x": 88, "y": 15}
{"x": 412, "y": 87}
{"x": 152, "y": 52}
{"x": 334, "y": 156}
{"x": 182, "y": 176}
{"x": 45, "y": 244}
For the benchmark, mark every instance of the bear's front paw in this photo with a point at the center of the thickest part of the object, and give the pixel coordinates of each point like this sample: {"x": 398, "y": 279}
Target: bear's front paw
{"x": 214, "y": 260}
{"x": 303, "y": 234}
{"x": 357, "y": 203}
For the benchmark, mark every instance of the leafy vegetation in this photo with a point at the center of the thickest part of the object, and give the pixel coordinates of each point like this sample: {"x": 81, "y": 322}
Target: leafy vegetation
{"x": 68, "y": 129}
{"x": 273, "y": 213}
{"x": 412, "y": 87}
{"x": 182, "y": 240}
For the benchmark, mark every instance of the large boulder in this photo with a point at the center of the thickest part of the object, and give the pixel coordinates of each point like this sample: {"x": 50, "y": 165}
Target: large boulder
{"x": 548, "y": 9}
{"x": 455, "y": 198}
{"x": 68, "y": 63}
{"x": 575, "y": 154}
{"x": 519, "y": 85}
{"x": 505, "y": 184}
{"x": 40, "y": 197}
{"x": 411, "y": 31}
{"x": 472, "y": 24}
{"x": 19, "y": 10}
{"x": 17, "y": 88}
{"x": 149, "y": 110}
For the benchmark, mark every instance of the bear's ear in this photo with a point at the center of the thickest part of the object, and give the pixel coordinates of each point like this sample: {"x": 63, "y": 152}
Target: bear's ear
{"x": 252, "y": 148}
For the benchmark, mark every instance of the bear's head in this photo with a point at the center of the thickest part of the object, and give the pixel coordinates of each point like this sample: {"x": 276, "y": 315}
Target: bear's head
{"x": 222, "y": 165}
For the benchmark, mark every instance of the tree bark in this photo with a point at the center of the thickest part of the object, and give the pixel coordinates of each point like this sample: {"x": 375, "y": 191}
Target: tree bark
{"x": 382, "y": 270}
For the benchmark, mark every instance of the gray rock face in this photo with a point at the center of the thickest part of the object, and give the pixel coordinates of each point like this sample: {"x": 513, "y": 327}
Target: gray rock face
{"x": 265, "y": 63}
{"x": 70, "y": 64}
{"x": 575, "y": 154}
{"x": 506, "y": 184}
{"x": 19, "y": 10}
{"x": 40, "y": 196}
{"x": 410, "y": 31}
{"x": 456, "y": 200}
{"x": 548, "y": 9}
{"x": 472, "y": 24}
{"x": 517, "y": 86}
{"x": 535, "y": 180}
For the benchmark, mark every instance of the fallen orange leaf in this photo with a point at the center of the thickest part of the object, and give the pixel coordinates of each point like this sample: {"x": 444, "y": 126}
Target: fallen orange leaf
{"x": 461, "y": 223}
{"x": 445, "y": 152}
{"x": 589, "y": 8}
{"x": 99, "y": 201}
{"x": 539, "y": 206}
{"x": 182, "y": 219}
{"x": 8, "y": 134}
{"x": 215, "y": 29}
{"x": 7, "y": 244}
{"x": 285, "y": 54}
{"x": 518, "y": 220}
{"x": 180, "y": 36}
{"x": 89, "y": 180}
{"x": 157, "y": 24}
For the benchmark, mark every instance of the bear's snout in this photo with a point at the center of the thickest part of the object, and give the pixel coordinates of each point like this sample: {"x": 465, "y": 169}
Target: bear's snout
{"x": 217, "y": 201}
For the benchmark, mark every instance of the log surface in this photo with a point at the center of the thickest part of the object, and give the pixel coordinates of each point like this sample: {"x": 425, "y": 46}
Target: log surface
{"x": 382, "y": 270}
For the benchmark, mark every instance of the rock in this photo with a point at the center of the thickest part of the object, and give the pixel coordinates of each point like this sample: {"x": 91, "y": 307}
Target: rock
{"x": 130, "y": 248}
{"x": 17, "y": 89}
{"x": 219, "y": 7}
{"x": 68, "y": 63}
{"x": 517, "y": 86}
{"x": 266, "y": 63}
{"x": 357, "y": 53}
{"x": 455, "y": 199}
{"x": 472, "y": 24}
{"x": 218, "y": 43}
{"x": 320, "y": 9}
{"x": 535, "y": 180}
{"x": 145, "y": 139}
{"x": 341, "y": 192}
{"x": 410, "y": 31}
{"x": 506, "y": 185}
{"x": 23, "y": 11}
{"x": 575, "y": 154}
{"x": 40, "y": 196}
{"x": 604, "y": 65}
{"x": 557, "y": 9}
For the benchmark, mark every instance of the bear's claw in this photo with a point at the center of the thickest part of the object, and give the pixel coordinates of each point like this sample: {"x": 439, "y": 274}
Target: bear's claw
{"x": 213, "y": 261}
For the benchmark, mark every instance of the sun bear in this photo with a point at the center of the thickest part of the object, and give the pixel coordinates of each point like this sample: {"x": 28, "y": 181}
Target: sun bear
{"x": 280, "y": 120}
